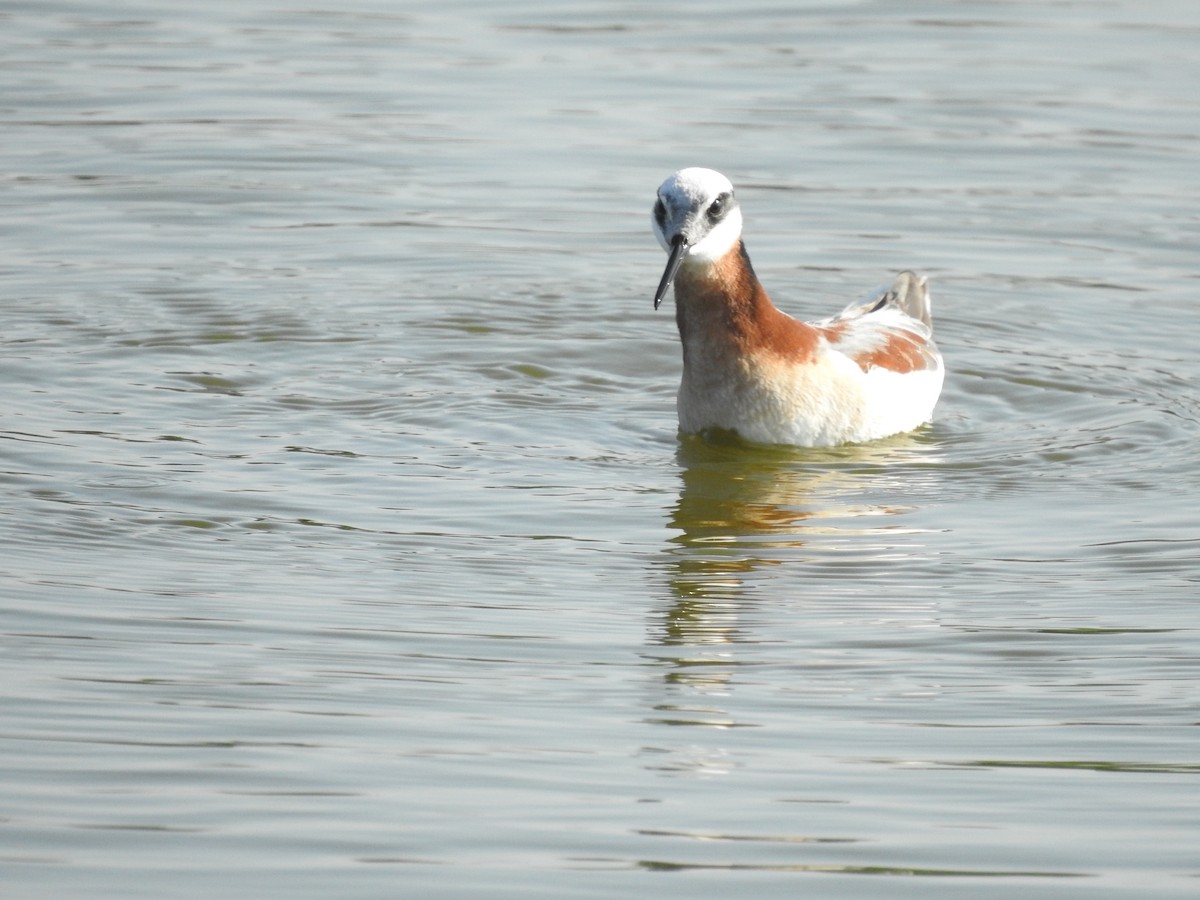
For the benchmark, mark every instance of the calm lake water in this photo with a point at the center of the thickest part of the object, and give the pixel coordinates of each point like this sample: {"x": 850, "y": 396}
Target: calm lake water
{"x": 348, "y": 546}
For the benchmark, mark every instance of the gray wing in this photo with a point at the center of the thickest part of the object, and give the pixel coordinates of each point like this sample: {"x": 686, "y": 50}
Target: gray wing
{"x": 908, "y": 293}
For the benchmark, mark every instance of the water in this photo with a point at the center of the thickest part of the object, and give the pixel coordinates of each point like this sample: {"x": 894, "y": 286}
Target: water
{"x": 349, "y": 548}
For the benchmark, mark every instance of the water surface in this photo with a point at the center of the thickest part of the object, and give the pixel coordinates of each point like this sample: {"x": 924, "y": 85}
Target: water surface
{"x": 349, "y": 547}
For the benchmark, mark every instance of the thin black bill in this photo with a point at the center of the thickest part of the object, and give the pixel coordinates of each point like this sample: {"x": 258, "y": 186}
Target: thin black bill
{"x": 678, "y": 249}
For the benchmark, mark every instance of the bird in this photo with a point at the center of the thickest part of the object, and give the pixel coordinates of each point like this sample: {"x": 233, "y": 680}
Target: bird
{"x": 870, "y": 371}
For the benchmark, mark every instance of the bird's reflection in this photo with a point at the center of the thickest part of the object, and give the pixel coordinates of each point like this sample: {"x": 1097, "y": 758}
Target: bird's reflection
{"x": 742, "y": 511}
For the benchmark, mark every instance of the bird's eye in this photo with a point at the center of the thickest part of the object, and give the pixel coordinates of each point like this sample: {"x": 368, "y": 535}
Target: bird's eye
{"x": 717, "y": 208}
{"x": 660, "y": 212}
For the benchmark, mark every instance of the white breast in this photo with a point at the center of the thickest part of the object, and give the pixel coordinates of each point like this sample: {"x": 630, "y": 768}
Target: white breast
{"x": 822, "y": 403}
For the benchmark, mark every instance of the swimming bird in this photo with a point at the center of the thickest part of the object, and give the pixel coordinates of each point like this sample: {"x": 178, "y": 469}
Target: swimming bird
{"x": 870, "y": 371}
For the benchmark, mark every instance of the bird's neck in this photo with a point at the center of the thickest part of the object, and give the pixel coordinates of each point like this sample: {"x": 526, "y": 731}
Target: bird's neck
{"x": 723, "y": 311}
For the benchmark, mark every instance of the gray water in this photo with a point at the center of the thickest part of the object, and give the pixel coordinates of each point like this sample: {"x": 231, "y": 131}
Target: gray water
{"x": 348, "y": 546}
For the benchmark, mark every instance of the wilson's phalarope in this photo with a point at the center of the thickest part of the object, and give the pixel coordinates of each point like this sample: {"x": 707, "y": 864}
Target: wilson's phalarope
{"x": 868, "y": 372}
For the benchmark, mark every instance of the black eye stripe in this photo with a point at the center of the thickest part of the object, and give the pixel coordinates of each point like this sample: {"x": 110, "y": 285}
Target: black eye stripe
{"x": 716, "y": 210}
{"x": 719, "y": 206}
